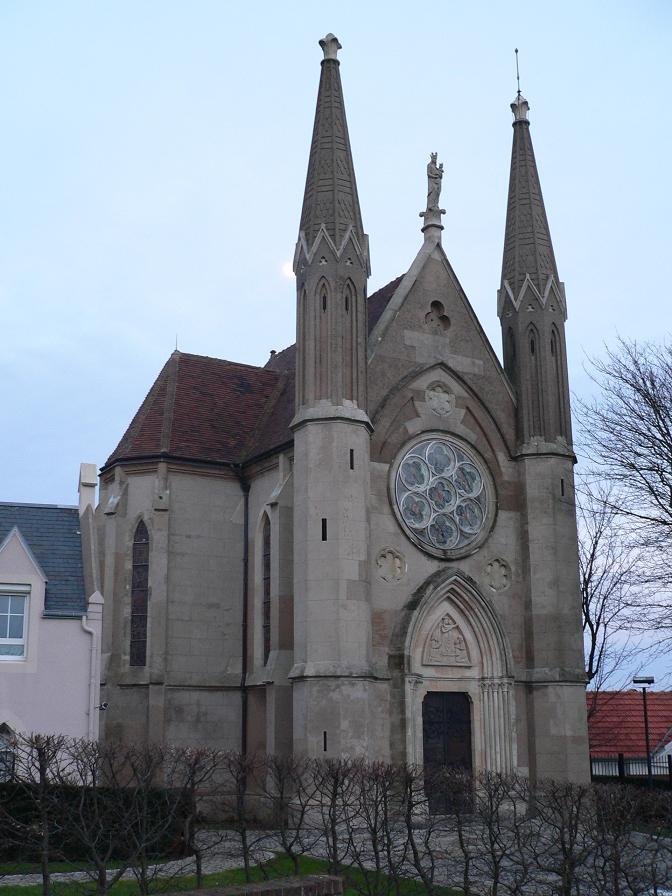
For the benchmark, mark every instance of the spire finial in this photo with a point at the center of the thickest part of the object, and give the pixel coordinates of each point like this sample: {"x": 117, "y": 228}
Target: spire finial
{"x": 517, "y": 74}
{"x": 520, "y": 107}
{"x": 330, "y": 46}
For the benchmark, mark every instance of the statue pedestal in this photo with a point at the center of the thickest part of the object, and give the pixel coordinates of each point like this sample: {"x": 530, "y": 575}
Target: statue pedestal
{"x": 432, "y": 218}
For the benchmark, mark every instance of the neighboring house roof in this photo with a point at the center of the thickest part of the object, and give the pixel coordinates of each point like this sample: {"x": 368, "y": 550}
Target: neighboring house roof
{"x": 52, "y": 533}
{"x": 216, "y": 411}
{"x": 616, "y": 722}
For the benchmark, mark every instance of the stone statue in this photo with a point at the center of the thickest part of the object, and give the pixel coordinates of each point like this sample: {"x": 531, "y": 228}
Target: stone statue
{"x": 434, "y": 175}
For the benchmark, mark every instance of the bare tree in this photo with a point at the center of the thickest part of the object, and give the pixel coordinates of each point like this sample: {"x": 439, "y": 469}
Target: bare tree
{"x": 378, "y": 847}
{"x": 334, "y": 781}
{"x": 241, "y": 773}
{"x": 564, "y": 843}
{"x": 40, "y": 770}
{"x": 193, "y": 771}
{"x": 627, "y": 432}
{"x": 420, "y": 825}
{"x": 290, "y": 792}
{"x": 614, "y": 591}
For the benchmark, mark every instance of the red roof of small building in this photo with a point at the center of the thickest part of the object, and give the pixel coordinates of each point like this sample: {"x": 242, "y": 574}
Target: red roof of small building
{"x": 616, "y": 722}
{"x": 216, "y": 411}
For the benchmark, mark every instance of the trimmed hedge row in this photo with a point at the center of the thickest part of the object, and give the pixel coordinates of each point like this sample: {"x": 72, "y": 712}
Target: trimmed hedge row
{"x": 117, "y": 817}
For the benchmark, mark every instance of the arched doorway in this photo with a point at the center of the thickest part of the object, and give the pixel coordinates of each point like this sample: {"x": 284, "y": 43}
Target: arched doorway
{"x": 457, "y": 680}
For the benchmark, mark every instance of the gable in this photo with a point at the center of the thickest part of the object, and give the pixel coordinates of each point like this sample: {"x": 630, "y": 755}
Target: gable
{"x": 17, "y": 559}
{"x": 429, "y": 321}
{"x": 52, "y": 535}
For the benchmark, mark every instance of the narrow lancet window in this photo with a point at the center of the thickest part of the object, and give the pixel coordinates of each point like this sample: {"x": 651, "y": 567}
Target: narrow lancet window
{"x": 266, "y": 579}
{"x": 139, "y": 596}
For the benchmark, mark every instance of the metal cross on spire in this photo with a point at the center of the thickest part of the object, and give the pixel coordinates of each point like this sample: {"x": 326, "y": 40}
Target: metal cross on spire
{"x": 517, "y": 73}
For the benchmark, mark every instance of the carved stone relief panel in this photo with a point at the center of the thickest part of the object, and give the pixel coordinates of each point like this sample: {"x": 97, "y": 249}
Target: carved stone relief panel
{"x": 440, "y": 399}
{"x": 498, "y": 574}
{"x": 391, "y": 565}
{"x": 446, "y": 645}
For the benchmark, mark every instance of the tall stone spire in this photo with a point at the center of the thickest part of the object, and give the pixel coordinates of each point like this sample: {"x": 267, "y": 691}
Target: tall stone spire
{"x": 531, "y": 300}
{"x": 330, "y": 199}
{"x": 528, "y": 250}
{"x": 331, "y": 261}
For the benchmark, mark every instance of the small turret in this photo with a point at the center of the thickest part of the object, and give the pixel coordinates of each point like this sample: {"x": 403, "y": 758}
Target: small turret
{"x": 531, "y": 300}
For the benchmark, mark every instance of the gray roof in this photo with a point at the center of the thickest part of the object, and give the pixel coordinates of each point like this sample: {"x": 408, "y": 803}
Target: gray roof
{"x": 52, "y": 533}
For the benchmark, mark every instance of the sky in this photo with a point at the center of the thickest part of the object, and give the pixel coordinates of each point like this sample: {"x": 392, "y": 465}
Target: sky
{"x": 153, "y": 157}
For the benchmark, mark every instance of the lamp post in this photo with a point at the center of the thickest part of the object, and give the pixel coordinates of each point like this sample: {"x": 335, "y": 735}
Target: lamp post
{"x": 645, "y": 681}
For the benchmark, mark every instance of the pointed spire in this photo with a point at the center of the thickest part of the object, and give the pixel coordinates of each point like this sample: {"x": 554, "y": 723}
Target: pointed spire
{"x": 330, "y": 198}
{"x": 528, "y": 250}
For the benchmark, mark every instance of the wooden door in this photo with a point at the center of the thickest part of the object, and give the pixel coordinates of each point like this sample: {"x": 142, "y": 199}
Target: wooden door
{"x": 446, "y": 735}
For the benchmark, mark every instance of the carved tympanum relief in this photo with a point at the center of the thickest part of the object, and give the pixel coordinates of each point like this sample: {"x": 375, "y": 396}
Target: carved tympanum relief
{"x": 446, "y": 645}
{"x": 440, "y": 399}
{"x": 391, "y": 565}
{"x": 498, "y": 574}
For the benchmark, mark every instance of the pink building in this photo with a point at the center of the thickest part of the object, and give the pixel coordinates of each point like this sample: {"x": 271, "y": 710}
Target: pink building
{"x": 50, "y": 618}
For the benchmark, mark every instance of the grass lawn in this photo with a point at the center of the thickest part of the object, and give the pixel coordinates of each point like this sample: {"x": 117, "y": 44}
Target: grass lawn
{"x": 278, "y": 867}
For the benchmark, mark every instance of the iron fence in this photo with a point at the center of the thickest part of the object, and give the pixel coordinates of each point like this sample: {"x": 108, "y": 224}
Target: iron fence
{"x": 621, "y": 766}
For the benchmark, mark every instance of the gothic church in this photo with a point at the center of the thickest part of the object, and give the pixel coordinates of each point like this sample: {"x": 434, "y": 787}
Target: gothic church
{"x": 367, "y": 546}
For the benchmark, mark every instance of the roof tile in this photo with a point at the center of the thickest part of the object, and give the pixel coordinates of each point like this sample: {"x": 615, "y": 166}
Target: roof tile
{"x": 616, "y": 722}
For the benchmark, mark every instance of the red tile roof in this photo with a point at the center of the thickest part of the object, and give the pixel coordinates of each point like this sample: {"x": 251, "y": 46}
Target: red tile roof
{"x": 616, "y": 722}
{"x": 216, "y": 411}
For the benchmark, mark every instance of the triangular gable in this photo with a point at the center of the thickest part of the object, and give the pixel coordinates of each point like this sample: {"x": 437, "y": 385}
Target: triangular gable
{"x": 428, "y": 322}
{"x": 430, "y": 249}
{"x": 25, "y": 547}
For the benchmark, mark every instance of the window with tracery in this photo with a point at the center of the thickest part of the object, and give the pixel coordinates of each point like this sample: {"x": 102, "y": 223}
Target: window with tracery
{"x": 139, "y": 596}
{"x": 266, "y": 582}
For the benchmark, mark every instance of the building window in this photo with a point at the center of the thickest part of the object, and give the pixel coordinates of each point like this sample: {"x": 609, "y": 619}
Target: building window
{"x": 266, "y": 580}
{"x": 139, "y": 596}
{"x": 13, "y": 624}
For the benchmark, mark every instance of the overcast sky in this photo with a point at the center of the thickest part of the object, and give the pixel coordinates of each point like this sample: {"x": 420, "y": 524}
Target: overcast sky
{"x": 153, "y": 157}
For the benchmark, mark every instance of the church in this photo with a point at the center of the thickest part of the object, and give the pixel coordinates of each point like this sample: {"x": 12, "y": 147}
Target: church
{"x": 366, "y": 547}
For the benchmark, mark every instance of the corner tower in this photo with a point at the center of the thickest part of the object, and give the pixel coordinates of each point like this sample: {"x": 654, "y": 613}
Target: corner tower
{"x": 532, "y": 311}
{"x": 332, "y": 677}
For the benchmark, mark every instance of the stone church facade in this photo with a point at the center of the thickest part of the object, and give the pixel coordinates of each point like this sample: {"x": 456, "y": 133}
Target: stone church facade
{"x": 367, "y": 546}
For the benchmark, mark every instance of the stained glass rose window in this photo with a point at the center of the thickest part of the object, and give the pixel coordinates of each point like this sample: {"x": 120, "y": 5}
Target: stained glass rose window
{"x": 442, "y": 496}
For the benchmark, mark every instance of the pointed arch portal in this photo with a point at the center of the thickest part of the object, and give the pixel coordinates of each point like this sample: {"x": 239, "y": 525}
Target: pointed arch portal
{"x": 453, "y": 644}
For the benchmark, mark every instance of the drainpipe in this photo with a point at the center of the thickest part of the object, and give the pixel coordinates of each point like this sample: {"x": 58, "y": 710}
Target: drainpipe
{"x": 245, "y": 488}
{"x": 92, "y": 733}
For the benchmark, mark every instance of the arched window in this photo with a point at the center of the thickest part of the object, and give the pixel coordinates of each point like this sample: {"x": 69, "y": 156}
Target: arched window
{"x": 139, "y": 596}
{"x": 535, "y": 410}
{"x": 266, "y": 584}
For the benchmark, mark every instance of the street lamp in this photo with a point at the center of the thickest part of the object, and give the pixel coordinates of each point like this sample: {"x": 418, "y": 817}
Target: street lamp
{"x": 645, "y": 681}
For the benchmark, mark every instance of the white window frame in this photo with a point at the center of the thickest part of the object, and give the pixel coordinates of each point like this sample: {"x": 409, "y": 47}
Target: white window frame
{"x": 10, "y": 590}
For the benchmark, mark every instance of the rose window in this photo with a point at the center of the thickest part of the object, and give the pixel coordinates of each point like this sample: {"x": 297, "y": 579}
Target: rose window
{"x": 441, "y": 495}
